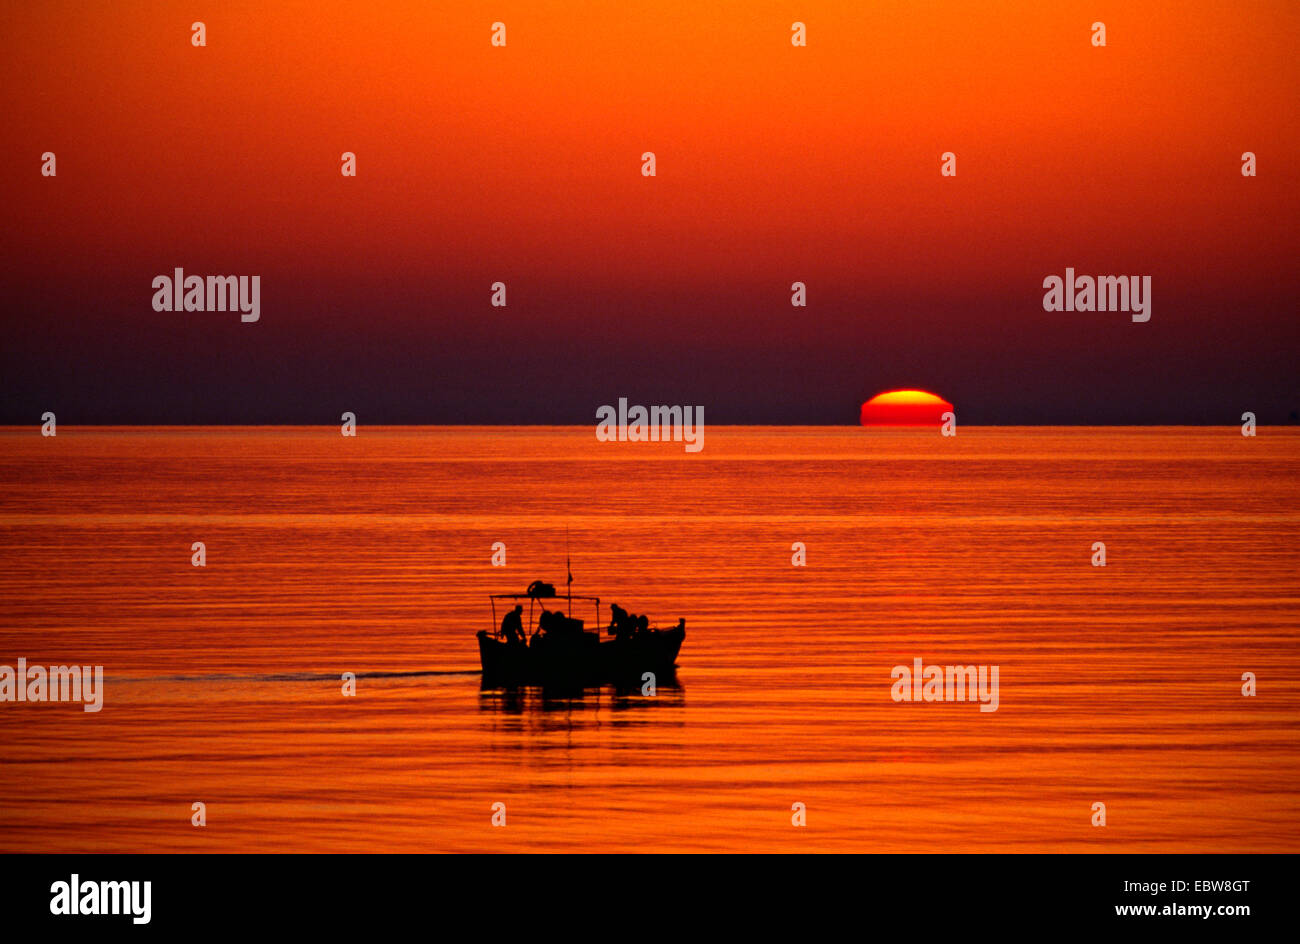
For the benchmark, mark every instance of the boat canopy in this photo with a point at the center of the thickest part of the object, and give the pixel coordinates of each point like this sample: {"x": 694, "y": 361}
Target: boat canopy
{"x": 534, "y": 597}
{"x": 529, "y": 596}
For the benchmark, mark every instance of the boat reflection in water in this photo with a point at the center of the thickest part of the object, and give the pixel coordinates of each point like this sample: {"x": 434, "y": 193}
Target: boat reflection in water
{"x": 625, "y": 699}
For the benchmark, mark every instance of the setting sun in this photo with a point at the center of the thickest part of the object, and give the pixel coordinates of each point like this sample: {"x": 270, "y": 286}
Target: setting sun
{"x": 904, "y": 408}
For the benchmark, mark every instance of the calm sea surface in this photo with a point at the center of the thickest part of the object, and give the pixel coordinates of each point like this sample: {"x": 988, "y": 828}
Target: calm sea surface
{"x": 1118, "y": 684}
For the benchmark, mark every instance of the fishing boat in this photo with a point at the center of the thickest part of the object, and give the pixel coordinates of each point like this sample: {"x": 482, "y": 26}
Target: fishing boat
{"x": 553, "y": 647}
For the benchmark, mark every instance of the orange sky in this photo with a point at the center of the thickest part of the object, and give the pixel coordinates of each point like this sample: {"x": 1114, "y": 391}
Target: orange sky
{"x": 774, "y": 164}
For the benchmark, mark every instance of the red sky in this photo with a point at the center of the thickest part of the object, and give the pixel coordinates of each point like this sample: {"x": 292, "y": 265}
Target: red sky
{"x": 775, "y": 164}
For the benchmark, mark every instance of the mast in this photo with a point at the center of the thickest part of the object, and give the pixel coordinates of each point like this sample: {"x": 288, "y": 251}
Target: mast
{"x": 568, "y": 567}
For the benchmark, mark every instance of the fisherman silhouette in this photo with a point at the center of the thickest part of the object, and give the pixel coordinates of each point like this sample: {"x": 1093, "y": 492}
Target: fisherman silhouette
{"x": 622, "y": 623}
{"x": 512, "y": 626}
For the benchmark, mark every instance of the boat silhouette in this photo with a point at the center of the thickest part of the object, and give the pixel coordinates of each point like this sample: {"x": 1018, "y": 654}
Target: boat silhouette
{"x": 557, "y": 648}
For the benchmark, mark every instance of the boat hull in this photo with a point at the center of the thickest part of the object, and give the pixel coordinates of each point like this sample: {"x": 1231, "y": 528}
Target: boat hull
{"x": 580, "y": 659}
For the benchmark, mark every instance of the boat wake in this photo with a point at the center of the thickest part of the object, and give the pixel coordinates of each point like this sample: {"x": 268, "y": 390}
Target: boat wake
{"x": 289, "y": 676}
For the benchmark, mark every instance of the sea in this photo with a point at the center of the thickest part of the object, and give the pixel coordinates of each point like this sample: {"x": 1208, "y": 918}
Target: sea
{"x": 314, "y": 686}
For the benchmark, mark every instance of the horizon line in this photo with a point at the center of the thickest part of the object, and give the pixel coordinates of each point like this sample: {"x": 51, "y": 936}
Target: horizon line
{"x": 184, "y": 425}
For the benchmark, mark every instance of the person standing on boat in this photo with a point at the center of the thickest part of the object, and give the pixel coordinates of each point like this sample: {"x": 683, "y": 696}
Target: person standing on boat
{"x": 512, "y": 626}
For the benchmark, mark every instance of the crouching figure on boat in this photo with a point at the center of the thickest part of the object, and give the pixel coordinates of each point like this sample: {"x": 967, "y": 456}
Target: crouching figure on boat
{"x": 512, "y": 627}
{"x": 561, "y": 650}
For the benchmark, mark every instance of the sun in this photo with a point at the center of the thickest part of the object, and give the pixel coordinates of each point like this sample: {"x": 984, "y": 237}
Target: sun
{"x": 905, "y": 408}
